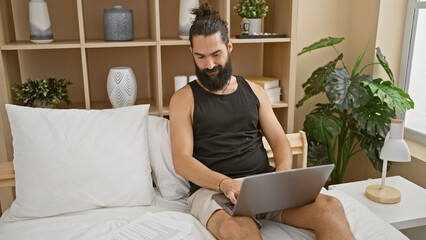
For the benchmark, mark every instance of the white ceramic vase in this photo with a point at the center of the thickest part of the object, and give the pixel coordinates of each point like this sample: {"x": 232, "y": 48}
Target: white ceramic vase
{"x": 40, "y": 27}
{"x": 185, "y": 17}
{"x": 121, "y": 85}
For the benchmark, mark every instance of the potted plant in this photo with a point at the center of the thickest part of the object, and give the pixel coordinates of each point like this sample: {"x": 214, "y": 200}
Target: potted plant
{"x": 358, "y": 112}
{"x": 43, "y": 92}
{"x": 253, "y": 11}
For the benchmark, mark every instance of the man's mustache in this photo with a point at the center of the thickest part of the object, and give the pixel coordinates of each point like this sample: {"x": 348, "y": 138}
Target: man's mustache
{"x": 214, "y": 69}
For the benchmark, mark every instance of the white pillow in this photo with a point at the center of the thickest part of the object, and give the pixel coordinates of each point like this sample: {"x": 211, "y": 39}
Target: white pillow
{"x": 73, "y": 160}
{"x": 171, "y": 185}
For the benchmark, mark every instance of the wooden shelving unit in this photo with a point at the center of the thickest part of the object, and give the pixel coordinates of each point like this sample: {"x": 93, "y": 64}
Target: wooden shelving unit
{"x": 79, "y": 53}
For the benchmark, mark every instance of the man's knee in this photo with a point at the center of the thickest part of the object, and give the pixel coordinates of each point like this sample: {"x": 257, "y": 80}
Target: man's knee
{"x": 328, "y": 204}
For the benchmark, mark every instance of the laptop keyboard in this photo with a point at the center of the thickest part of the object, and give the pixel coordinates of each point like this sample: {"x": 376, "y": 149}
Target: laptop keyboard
{"x": 230, "y": 205}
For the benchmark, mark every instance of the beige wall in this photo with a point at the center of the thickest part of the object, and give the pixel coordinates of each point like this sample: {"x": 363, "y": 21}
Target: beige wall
{"x": 356, "y": 20}
{"x": 316, "y": 20}
{"x": 362, "y": 31}
{"x": 390, "y": 33}
{"x": 379, "y": 21}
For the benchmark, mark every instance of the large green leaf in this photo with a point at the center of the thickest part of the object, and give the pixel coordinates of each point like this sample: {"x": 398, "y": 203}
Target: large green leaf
{"x": 372, "y": 145}
{"x": 392, "y": 95}
{"x": 345, "y": 92}
{"x": 324, "y": 123}
{"x": 374, "y": 118}
{"x": 385, "y": 64}
{"x": 316, "y": 83}
{"x": 325, "y": 42}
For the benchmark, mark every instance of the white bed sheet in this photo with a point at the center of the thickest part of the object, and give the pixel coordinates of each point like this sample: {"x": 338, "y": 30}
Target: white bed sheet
{"x": 94, "y": 223}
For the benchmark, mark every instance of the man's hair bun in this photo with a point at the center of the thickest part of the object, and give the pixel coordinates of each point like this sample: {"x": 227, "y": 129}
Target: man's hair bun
{"x": 205, "y": 12}
{"x": 207, "y": 21}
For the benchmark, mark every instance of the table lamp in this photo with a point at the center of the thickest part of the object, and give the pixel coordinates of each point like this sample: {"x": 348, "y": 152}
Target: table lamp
{"x": 396, "y": 150}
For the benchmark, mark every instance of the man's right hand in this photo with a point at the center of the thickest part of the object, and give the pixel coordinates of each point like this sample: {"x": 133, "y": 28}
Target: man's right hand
{"x": 231, "y": 188}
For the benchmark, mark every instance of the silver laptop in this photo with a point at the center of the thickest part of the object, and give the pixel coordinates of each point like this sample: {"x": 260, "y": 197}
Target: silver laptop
{"x": 276, "y": 190}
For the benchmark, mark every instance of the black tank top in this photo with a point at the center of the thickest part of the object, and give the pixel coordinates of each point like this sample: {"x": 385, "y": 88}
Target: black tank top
{"x": 226, "y": 129}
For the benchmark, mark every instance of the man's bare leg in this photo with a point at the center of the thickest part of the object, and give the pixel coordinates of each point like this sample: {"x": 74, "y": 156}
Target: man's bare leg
{"x": 223, "y": 226}
{"x": 325, "y": 216}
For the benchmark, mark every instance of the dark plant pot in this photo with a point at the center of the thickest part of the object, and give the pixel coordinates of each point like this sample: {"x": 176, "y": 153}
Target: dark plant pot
{"x": 118, "y": 24}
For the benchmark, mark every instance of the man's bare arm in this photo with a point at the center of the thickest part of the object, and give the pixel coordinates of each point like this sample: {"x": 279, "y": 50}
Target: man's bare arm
{"x": 181, "y": 109}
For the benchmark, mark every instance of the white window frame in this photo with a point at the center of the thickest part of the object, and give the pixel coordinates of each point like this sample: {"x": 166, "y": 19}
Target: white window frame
{"x": 406, "y": 57}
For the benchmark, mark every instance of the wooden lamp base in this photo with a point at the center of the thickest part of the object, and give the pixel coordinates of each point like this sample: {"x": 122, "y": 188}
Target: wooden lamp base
{"x": 387, "y": 195}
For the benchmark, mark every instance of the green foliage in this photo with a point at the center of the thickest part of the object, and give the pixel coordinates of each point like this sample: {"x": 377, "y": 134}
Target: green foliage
{"x": 325, "y": 42}
{"x": 251, "y": 8}
{"x": 48, "y": 92}
{"x": 357, "y": 116}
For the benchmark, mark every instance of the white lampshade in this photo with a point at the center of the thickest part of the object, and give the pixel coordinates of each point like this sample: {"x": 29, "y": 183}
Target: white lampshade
{"x": 395, "y": 149}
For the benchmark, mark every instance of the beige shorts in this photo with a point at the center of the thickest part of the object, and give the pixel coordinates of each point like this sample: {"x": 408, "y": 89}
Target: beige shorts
{"x": 202, "y": 206}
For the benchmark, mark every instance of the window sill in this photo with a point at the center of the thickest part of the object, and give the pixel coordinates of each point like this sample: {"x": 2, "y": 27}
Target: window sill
{"x": 417, "y": 150}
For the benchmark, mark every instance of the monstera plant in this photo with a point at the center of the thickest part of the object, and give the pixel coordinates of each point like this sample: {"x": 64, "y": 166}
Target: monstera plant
{"x": 358, "y": 112}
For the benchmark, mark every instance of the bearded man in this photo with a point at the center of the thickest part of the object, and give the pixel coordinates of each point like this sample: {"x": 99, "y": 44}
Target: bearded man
{"x": 216, "y": 125}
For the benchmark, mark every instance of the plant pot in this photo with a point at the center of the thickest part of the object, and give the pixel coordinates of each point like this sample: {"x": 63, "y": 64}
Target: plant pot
{"x": 255, "y": 25}
{"x": 121, "y": 85}
{"x": 37, "y": 104}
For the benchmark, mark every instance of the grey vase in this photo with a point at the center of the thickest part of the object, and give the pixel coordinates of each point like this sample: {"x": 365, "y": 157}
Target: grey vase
{"x": 118, "y": 24}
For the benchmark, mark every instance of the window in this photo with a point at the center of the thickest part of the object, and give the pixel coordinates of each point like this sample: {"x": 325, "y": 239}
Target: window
{"x": 413, "y": 69}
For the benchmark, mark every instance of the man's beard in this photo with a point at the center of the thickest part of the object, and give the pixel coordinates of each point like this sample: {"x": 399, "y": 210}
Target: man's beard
{"x": 222, "y": 77}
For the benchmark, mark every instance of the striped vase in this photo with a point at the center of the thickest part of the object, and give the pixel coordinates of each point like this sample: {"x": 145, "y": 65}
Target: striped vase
{"x": 121, "y": 85}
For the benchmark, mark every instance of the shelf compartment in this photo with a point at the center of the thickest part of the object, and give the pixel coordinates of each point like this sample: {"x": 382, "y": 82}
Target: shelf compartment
{"x": 63, "y": 18}
{"x": 32, "y": 65}
{"x": 99, "y": 62}
{"x": 274, "y": 59}
{"x": 169, "y": 16}
{"x": 28, "y": 45}
{"x": 278, "y": 19}
{"x": 175, "y": 60}
{"x": 247, "y": 59}
{"x": 143, "y": 17}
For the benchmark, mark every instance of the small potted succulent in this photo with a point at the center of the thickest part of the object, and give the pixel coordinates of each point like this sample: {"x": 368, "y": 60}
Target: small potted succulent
{"x": 43, "y": 92}
{"x": 252, "y": 12}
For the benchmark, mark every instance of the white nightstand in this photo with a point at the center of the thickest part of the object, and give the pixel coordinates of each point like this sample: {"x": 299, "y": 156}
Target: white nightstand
{"x": 410, "y": 212}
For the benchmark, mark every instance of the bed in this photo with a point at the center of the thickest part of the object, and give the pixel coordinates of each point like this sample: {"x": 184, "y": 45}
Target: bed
{"x": 62, "y": 194}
